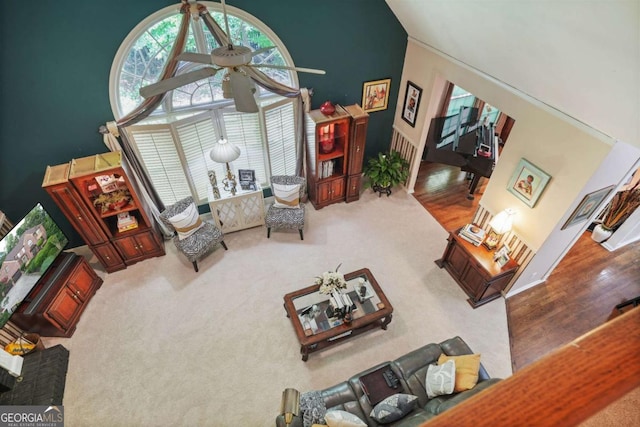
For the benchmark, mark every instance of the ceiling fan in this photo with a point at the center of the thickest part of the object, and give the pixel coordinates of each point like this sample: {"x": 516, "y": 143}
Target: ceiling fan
{"x": 234, "y": 60}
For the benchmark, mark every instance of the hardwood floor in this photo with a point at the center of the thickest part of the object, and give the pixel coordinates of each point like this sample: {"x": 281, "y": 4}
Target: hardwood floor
{"x": 580, "y": 293}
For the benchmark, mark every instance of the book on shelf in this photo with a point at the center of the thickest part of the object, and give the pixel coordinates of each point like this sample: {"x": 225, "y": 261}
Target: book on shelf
{"x": 126, "y": 221}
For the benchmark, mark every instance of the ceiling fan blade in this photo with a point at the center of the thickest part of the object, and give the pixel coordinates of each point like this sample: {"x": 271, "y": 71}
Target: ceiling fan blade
{"x": 262, "y": 50}
{"x": 243, "y": 92}
{"x": 284, "y": 67}
{"x": 200, "y": 58}
{"x": 175, "y": 82}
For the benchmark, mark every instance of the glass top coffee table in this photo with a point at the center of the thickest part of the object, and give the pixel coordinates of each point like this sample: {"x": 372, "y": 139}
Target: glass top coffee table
{"x": 312, "y": 319}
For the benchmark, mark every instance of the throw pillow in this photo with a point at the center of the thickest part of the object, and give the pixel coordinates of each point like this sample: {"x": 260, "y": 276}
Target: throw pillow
{"x": 467, "y": 367}
{"x": 440, "y": 379}
{"x": 393, "y": 408}
{"x": 286, "y": 195}
{"x": 186, "y": 222}
{"x": 312, "y": 408}
{"x": 337, "y": 418}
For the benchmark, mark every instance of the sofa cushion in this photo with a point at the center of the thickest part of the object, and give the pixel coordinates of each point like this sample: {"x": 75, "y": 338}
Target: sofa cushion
{"x": 286, "y": 195}
{"x": 338, "y": 418}
{"x": 393, "y": 408}
{"x": 440, "y": 379}
{"x": 440, "y": 404}
{"x": 467, "y": 368}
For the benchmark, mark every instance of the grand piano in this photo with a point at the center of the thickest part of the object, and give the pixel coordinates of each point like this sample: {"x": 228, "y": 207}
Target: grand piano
{"x": 460, "y": 140}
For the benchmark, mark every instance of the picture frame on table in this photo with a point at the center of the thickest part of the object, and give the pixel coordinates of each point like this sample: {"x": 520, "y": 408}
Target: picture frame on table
{"x": 411, "y": 103}
{"x": 587, "y": 206}
{"x": 247, "y": 179}
{"x": 375, "y": 95}
{"x": 504, "y": 250}
{"x": 528, "y": 182}
{"x": 502, "y": 260}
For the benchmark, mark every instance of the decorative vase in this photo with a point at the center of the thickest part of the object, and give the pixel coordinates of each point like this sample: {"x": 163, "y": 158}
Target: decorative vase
{"x": 600, "y": 233}
{"x": 327, "y": 145}
{"x": 327, "y": 108}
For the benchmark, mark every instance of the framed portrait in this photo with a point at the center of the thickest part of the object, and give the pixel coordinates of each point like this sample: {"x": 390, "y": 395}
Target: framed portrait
{"x": 587, "y": 206}
{"x": 502, "y": 260}
{"x": 528, "y": 182}
{"x": 411, "y": 103}
{"x": 375, "y": 95}
{"x": 504, "y": 250}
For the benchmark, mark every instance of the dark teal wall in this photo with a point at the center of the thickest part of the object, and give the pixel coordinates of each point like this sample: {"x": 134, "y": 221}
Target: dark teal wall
{"x": 56, "y": 58}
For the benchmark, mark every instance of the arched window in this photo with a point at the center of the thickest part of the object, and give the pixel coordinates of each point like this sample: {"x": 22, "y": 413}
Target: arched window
{"x": 174, "y": 141}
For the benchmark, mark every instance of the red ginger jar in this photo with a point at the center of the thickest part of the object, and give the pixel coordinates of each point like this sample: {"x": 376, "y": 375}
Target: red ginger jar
{"x": 327, "y": 108}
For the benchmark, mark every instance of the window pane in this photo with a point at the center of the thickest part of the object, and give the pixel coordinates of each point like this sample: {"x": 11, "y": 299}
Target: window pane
{"x": 459, "y": 98}
{"x": 161, "y": 160}
{"x": 281, "y": 138}
{"x": 243, "y": 130}
{"x": 197, "y": 139}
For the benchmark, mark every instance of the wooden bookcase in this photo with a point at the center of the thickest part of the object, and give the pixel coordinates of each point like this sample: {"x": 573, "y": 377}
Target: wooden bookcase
{"x": 93, "y": 209}
{"x": 359, "y": 125}
{"x": 335, "y": 150}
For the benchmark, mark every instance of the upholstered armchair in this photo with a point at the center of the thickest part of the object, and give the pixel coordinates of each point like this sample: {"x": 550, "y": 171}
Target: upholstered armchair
{"x": 193, "y": 237}
{"x": 287, "y": 211}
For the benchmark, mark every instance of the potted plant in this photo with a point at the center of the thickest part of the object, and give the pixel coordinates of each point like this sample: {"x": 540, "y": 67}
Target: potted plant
{"x": 386, "y": 171}
{"x": 623, "y": 204}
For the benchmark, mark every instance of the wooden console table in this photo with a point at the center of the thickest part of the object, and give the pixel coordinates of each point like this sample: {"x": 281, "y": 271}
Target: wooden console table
{"x": 233, "y": 213}
{"x": 474, "y": 269}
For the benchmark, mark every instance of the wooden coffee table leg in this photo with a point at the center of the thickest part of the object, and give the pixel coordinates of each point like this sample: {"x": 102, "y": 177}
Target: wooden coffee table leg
{"x": 386, "y": 321}
{"x": 304, "y": 350}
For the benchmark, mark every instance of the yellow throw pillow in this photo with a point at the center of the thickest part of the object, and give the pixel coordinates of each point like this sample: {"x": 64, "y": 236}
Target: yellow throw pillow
{"x": 467, "y": 367}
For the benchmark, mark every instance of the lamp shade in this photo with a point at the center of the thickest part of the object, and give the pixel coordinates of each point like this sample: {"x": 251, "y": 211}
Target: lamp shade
{"x": 224, "y": 151}
{"x": 503, "y": 222}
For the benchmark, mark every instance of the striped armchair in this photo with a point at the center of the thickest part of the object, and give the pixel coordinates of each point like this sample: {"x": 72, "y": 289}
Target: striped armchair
{"x": 287, "y": 218}
{"x": 198, "y": 243}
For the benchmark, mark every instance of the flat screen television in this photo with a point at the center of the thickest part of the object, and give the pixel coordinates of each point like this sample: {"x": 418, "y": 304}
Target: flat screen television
{"x": 26, "y": 252}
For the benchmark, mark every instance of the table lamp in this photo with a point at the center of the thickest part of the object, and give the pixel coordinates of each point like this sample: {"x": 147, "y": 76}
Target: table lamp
{"x": 224, "y": 152}
{"x": 500, "y": 225}
{"x": 290, "y": 405}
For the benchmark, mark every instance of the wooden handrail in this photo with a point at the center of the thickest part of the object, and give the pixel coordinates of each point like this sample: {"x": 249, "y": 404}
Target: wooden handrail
{"x": 563, "y": 388}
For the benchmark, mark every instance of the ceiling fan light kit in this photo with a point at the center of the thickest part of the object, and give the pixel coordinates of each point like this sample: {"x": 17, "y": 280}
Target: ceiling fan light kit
{"x": 235, "y": 59}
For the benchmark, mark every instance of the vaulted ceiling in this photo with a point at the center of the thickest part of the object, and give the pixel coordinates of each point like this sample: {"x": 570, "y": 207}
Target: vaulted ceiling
{"x": 581, "y": 57}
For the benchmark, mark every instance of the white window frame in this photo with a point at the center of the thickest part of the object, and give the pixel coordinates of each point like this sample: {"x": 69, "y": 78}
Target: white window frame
{"x": 168, "y": 122}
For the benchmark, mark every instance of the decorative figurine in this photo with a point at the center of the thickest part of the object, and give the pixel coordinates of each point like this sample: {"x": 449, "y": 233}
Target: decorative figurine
{"x": 214, "y": 184}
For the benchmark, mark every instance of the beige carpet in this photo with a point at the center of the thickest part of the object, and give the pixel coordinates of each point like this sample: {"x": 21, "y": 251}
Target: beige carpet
{"x": 162, "y": 345}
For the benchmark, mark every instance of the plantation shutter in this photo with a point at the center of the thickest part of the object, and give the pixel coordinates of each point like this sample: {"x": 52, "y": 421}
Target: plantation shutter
{"x": 197, "y": 136}
{"x": 243, "y": 130}
{"x": 281, "y": 137}
{"x": 158, "y": 152}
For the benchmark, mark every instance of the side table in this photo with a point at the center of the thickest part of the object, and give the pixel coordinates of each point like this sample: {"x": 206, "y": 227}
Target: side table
{"x": 474, "y": 269}
{"x": 244, "y": 210}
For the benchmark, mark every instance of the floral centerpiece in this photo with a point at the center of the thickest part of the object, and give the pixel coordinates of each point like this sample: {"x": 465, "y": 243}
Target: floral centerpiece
{"x": 331, "y": 281}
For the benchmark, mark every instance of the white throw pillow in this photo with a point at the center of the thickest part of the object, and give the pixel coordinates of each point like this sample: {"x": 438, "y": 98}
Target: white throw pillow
{"x": 186, "y": 222}
{"x": 440, "y": 379}
{"x": 338, "y": 418}
{"x": 286, "y": 195}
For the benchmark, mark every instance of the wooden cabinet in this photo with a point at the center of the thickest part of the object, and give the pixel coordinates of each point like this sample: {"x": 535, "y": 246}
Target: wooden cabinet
{"x": 328, "y": 150}
{"x": 236, "y": 212}
{"x": 54, "y": 306}
{"x": 359, "y": 125}
{"x": 474, "y": 269}
{"x": 95, "y": 193}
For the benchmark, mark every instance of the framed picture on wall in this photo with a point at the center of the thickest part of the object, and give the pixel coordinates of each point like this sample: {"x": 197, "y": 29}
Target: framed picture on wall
{"x": 411, "y": 103}
{"x": 375, "y": 95}
{"x": 587, "y": 206}
{"x": 528, "y": 182}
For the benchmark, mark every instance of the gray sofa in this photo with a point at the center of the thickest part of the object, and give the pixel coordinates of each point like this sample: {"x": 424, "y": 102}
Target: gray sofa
{"x": 411, "y": 370}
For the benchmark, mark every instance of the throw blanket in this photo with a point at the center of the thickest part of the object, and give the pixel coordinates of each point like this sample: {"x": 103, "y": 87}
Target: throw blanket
{"x": 312, "y": 408}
